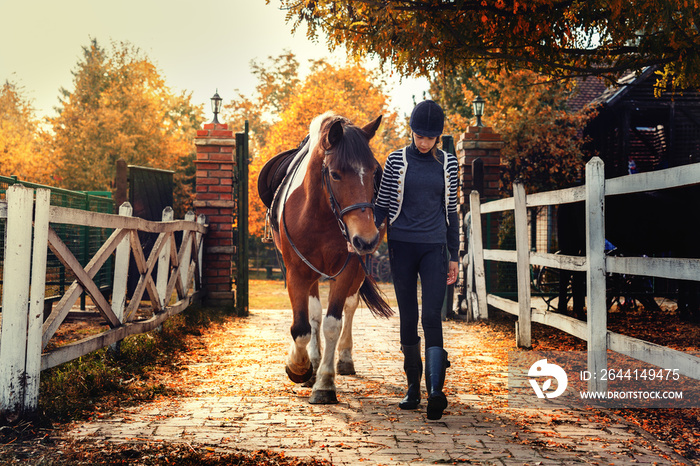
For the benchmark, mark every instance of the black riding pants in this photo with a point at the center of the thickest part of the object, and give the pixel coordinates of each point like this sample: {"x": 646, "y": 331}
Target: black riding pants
{"x": 410, "y": 261}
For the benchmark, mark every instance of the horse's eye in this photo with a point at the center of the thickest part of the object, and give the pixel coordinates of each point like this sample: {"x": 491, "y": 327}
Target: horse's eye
{"x": 335, "y": 176}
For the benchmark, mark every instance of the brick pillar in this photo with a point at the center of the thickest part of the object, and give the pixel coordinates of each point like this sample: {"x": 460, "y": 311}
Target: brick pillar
{"x": 478, "y": 152}
{"x": 480, "y": 142}
{"x": 215, "y": 164}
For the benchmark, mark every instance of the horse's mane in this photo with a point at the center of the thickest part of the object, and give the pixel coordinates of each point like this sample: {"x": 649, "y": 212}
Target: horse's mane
{"x": 353, "y": 148}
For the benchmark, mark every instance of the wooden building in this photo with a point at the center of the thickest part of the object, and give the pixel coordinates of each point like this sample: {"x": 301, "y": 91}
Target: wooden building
{"x": 635, "y": 128}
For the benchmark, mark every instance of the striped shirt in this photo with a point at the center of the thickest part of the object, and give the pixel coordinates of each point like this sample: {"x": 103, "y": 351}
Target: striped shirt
{"x": 391, "y": 193}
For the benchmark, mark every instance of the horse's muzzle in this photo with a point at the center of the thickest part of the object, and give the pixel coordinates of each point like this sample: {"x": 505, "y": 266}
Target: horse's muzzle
{"x": 362, "y": 246}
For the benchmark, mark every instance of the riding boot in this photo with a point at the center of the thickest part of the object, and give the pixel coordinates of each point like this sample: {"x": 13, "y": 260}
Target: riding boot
{"x": 435, "y": 365}
{"x": 413, "y": 366}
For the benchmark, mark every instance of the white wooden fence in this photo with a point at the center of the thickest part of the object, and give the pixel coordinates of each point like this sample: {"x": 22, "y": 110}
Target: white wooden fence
{"x": 596, "y": 264}
{"x": 25, "y": 333}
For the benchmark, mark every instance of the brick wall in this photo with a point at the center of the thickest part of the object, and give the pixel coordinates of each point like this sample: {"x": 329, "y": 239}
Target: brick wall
{"x": 215, "y": 164}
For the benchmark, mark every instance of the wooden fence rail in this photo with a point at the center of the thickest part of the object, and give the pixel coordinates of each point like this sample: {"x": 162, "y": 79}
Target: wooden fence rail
{"x": 25, "y": 332}
{"x": 596, "y": 264}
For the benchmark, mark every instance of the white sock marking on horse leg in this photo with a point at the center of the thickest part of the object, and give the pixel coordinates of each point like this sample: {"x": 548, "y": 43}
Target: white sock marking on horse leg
{"x": 315, "y": 317}
{"x": 325, "y": 377}
{"x": 345, "y": 342}
{"x": 298, "y": 359}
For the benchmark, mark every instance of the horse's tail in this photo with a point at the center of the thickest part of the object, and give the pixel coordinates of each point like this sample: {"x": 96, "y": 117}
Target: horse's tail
{"x": 374, "y": 298}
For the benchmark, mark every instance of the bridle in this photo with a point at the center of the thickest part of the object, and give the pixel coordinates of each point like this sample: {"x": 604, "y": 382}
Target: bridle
{"x": 339, "y": 213}
{"x": 335, "y": 206}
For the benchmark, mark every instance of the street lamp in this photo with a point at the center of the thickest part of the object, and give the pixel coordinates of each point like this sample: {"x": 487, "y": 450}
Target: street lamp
{"x": 216, "y": 106}
{"x": 478, "y": 105}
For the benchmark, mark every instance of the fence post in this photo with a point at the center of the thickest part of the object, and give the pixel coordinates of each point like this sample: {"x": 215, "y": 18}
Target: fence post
{"x": 523, "y": 324}
{"x": 36, "y": 299}
{"x": 15, "y": 300}
{"x": 187, "y": 255}
{"x": 164, "y": 259}
{"x": 202, "y": 220}
{"x": 468, "y": 305}
{"x": 121, "y": 272}
{"x": 595, "y": 260}
{"x": 477, "y": 241}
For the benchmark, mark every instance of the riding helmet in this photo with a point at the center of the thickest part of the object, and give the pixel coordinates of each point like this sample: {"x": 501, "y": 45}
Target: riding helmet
{"x": 427, "y": 119}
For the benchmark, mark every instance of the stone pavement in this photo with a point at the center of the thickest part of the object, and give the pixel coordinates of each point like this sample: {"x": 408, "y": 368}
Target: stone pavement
{"x": 241, "y": 400}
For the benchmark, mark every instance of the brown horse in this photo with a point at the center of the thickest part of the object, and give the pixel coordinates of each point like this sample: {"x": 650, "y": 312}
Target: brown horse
{"x": 323, "y": 210}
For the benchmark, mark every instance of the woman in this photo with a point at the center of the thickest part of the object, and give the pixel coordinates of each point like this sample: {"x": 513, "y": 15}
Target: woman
{"x": 418, "y": 197}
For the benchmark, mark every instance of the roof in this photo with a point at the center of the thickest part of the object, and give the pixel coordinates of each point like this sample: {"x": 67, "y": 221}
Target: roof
{"x": 594, "y": 91}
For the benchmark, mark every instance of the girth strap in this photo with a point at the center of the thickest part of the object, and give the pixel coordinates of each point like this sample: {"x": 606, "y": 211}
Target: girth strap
{"x": 304, "y": 259}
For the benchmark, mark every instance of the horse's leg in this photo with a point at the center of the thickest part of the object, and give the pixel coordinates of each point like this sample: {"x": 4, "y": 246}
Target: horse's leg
{"x": 324, "y": 388}
{"x": 345, "y": 365}
{"x": 315, "y": 317}
{"x": 299, "y": 367}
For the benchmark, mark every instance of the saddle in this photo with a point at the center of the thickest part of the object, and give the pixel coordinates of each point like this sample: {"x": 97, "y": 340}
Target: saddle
{"x": 272, "y": 176}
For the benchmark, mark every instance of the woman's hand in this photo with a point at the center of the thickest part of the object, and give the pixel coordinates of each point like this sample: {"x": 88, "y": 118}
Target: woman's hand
{"x": 452, "y": 272}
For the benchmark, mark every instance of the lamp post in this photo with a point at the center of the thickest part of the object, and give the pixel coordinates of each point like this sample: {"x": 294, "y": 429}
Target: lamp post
{"x": 216, "y": 107}
{"x": 478, "y": 105}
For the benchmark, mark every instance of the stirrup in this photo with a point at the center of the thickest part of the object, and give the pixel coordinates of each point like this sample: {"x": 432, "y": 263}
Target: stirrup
{"x": 267, "y": 231}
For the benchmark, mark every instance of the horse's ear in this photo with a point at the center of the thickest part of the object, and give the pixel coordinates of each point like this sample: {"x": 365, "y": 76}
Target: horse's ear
{"x": 372, "y": 127}
{"x": 335, "y": 134}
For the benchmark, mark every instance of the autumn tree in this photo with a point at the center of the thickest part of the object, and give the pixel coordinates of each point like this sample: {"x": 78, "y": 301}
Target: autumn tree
{"x": 551, "y": 37}
{"x": 21, "y": 138}
{"x": 543, "y": 142}
{"x": 284, "y": 106}
{"x": 121, "y": 108}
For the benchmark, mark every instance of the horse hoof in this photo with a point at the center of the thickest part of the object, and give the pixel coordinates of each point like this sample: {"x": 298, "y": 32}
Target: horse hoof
{"x": 345, "y": 368}
{"x": 309, "y": 383}
{"x": 299, "y": 378}
{"x": 323, "y": 397}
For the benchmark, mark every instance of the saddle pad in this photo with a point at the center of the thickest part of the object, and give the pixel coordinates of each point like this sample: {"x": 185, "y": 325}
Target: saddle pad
{"x": 293, "y": 177}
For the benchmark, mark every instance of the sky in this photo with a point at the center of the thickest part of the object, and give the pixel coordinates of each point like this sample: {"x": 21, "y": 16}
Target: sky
{"x": 199, "y": 46}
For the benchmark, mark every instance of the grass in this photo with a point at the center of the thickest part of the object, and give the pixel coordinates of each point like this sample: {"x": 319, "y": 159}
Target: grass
{"x": 105, "y": 378}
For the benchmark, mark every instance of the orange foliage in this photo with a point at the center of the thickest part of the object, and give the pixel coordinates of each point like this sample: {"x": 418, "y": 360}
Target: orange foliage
{"x": 351, "y": 91}
{"x": 21, "y": 140}
{"x": 563, "y": 39}
{"x": 121, "y": 108}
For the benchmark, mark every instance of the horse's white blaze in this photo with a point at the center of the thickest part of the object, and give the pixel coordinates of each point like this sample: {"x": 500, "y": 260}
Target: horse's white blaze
{"x": 298, "y": 359}
{"x": 361, "y": 172}
{"x": 345, "y": 342}
{"x": 315, "y": 316}
{"x": 325, "y": 377}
